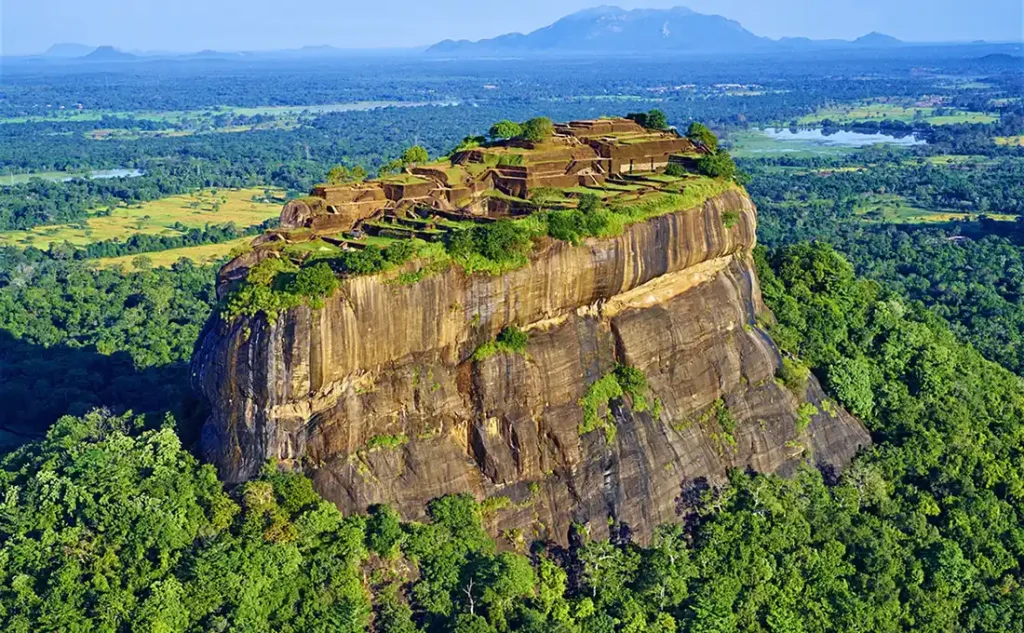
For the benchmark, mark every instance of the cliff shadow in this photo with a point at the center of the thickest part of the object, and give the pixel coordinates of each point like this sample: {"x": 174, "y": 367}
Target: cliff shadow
{"x": 40, "y": 384}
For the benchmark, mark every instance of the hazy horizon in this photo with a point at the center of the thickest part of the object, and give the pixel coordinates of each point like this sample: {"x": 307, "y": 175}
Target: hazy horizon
{"x": 191, "y": 25}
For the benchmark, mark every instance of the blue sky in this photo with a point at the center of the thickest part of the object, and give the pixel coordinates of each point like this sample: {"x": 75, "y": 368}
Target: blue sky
{"x": 30, "y": 26}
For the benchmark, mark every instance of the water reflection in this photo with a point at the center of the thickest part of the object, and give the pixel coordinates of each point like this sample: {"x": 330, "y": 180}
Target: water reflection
{"x": 838, "y": 137}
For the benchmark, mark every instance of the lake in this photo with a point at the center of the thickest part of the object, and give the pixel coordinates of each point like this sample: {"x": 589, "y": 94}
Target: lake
{"x": 63, "y": 176}
{"x": 811, "y": 141}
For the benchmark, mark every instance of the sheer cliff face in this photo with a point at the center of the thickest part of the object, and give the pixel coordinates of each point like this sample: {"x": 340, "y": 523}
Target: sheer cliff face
{"x": 377, "y": 398}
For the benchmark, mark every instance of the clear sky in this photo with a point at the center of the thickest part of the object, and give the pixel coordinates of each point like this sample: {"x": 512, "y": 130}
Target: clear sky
{"x": 30, "y": 26}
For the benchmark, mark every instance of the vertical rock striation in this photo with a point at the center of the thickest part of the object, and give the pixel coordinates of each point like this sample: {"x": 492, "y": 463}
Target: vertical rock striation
{"x": 377, "y": 397}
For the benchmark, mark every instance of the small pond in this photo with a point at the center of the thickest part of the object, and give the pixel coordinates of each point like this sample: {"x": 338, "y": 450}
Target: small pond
{"x": 846, "y": 138}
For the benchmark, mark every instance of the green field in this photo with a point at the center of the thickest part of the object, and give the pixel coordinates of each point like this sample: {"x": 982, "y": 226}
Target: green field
{"x": 20, "y": 179}
{"x": 894, "y": 208}
{"x": 945, "y": 160}
{"x": 892, "y": 112}
{"x": 157, "y": 217}
{"x": 1017, "y": 141}
{"x": 75, "y": 115}
{"x": 205, "y": 254}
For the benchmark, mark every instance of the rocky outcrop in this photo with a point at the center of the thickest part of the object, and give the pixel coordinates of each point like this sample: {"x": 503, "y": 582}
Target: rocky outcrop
{"x": 377, "y": 397}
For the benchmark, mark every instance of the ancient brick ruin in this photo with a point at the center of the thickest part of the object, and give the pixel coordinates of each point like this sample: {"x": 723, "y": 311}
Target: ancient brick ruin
{"x": 487, "y": 182}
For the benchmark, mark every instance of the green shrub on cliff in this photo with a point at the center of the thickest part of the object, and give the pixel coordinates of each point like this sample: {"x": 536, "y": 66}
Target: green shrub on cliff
{"x": 676, "y": 170}
{"x": 574, "y": 226}
{"x": 623, "y": 380}
{"x": 468, "y": 143}
{"x": 599, "y": 394}
{"x": 276, "y": 284}
{"x": 510, "y": 340}
{"x": 399, "y": 252}
{"x": 717, "y": 165}
{"x": 264, "y": 290}
{"x": 511, "y": 160}
{"x": 588, "y": 203}
{"x": 794, "y": 375}
{"x": 700, "y": 134}
{"x": 633, "y": 382}
{"x": 364, "y": 261}
{"x": 316, "y": 283}
{"x": 494, "y": 248}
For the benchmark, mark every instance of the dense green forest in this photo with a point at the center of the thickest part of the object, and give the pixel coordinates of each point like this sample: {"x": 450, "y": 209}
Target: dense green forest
{"x": 73, "y": 338}
{"x": 109, "y": 525}
{"x": 967, "y": 271}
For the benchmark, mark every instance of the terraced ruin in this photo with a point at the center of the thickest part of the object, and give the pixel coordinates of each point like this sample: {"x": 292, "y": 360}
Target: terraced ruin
{"x": 616, "y": 160}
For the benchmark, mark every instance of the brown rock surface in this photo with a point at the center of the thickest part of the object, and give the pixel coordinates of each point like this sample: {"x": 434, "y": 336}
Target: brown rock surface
{"x": 675, "y": 296}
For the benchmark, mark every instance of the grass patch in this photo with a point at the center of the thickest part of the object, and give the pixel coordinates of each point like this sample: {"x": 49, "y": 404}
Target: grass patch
{"x": 695, "y": 191}
{"x": 852, "y": 113}
{"x": 1011, "y": 141}
{"x": 387, "y": 442}
{"x": 720, "y": 415}
{"x": 404, "y": 179}
{"x": 435, "y": 266}
{"x": 315, "y": 249}
{"x": 205, "y": 254}
{"x": 243, "y": 207}
{"x": 893, "y": 208}
{"x": 493, "y": 505}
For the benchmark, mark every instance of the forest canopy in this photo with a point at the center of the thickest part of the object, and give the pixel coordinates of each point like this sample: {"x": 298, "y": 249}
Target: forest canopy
{"x": 151, "y": 541}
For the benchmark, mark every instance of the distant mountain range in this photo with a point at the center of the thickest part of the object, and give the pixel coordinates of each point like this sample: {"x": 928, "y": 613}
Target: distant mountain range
{"x": 81, "y": 53}
{"x": 108, "y": 54}
{"x": 604, "y": 30}
{"x": 612, "y": 30}
{"x": 67, "y": 50}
